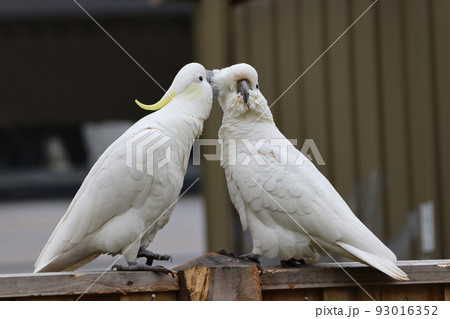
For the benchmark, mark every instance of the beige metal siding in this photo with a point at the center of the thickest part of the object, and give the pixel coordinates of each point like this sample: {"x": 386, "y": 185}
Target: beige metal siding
{"x": 377, "y": 104}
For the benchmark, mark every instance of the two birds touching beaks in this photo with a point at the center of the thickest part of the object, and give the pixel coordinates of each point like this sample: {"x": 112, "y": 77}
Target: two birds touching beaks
{"x": 289, "y": 207}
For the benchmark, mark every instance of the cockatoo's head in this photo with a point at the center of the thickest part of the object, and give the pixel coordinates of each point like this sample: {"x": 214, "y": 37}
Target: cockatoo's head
{"x": 237, "y": 90}
{"x": 189, "y": 85}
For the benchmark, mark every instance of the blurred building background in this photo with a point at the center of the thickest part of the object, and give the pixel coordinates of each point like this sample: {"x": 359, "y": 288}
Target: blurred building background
{"x": 67, "y": 92}
{"x": 376, "y": 105}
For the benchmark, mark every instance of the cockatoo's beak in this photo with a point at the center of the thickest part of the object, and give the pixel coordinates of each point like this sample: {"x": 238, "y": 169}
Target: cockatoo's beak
{"x": 243, "y": 87}
{"x": 163, "y": 102}
{"x": 209, "y": 78}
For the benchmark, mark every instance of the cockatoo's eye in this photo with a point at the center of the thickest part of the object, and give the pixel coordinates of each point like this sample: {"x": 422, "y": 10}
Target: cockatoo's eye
{"x": 257, "y": 86}
{"x": 198, "y": 77}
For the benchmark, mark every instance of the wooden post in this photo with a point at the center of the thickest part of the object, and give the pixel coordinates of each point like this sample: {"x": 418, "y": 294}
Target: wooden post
{"x": 217, "y": 277}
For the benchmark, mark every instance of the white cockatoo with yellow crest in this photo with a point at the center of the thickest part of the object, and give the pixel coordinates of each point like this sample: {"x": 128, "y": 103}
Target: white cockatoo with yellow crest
{"x": 130, "y": 191}
{"x": 290, "y": 208}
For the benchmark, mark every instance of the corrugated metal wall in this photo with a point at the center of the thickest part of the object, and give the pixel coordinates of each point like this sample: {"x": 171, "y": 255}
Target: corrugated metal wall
{"x": 377, "y": 104}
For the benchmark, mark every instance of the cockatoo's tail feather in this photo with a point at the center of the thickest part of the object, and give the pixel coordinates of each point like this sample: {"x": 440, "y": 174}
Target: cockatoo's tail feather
{"x": 385, "y": 265}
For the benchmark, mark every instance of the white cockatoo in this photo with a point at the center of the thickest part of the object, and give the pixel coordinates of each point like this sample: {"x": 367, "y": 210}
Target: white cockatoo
{"x": 290, "y": 208}
{"x": 121, "y": 205}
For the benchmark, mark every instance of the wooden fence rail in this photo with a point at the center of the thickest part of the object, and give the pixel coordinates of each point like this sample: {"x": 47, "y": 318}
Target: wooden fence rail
{"x": 217, "y": 277}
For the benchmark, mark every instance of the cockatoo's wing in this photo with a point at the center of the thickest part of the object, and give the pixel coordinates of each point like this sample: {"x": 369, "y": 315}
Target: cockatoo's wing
{"x": 288, "y": 207}
{"x": 110, "y": 189}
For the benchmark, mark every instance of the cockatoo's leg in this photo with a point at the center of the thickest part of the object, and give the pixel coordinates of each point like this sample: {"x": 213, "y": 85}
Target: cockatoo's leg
{"x": 290, "y": 263}
{"x": 135, "y": 266}
{"x": 151, "y": 256}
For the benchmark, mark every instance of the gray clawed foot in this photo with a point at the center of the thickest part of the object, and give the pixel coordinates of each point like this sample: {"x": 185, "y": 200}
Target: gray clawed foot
{"x": 247, "y": 257}
{"x": 143, "y": 267}
{"x": 252, "y": 257}
{"x": 150, "y": 256}
{"x": 292, "y": 263}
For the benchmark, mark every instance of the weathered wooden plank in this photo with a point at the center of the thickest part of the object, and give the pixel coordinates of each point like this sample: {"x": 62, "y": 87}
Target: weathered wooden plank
{"x": 441, "y": 58}
{"x": 98, "y": 297}
{"x": 135, "y": 296}
{"x": 132, "y": 296}
{"x": 218, "y": 277}
{"x": 312, "y": 45}
{"x": 319, "y": 276}
{"x": 339, "y": 293}
{"x": 150, "y": 296}
{"x": 51, "y": 284}
{"x": 368, "y": 128}
{"x": 42, "y": 298}
{"x": 342, "y": 125}
{"x": 331, "y": 275}
{"x": 422, "y": 139}
{"x": 370, "y": 293}
{"x": 412, "y": 293}
{"x": 293, "y": 295}
{"x": 394, "y": 119}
